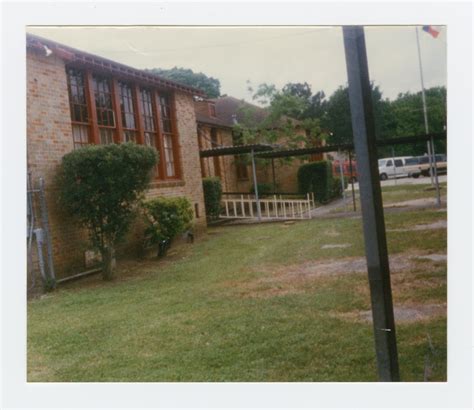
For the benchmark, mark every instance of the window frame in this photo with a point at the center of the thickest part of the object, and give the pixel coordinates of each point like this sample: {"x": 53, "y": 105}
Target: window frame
{"x": 74, "y": 122}
{"x": 94, "y": 128}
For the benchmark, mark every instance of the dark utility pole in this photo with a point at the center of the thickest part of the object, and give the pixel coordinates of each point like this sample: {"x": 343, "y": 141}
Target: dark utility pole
{"x": 371, "y": 202}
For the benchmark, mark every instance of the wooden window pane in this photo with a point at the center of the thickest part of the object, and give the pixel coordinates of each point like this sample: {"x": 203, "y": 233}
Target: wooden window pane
{"x": 169, "y": 159}
{"x": 130, "y": 136}
{"x": 103, "y": 101}
{"x": 106, "y": 136}
{"x": 150, "y": 141}
{"x": 126, "y": 106}
{"x": 80, "y": 135}
{"x": 149, "y": 119}
{"x": 77, "y": 100}
{"x": 166, "y": 127}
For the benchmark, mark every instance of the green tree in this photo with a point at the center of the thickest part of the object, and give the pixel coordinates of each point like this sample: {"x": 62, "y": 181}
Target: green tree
{"x": 302, "y": 90}
{"x": 407, "y": 111}
{"x": 211, "y": 86}
{"x": 285, "y": 110}
{"x": 337, "y": 115}
{"x": 101, "y": 185}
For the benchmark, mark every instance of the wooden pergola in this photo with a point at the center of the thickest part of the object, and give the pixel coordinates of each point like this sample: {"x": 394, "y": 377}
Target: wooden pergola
{"x": 239, "y": 150}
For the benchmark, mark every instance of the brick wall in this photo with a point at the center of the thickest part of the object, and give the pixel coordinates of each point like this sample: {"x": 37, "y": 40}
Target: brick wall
{"x": 230, "y": 182}
{"x": 49, "y": 138}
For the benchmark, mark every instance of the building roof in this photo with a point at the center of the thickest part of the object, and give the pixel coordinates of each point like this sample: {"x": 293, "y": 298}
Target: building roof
{"x": 216, "y": 122}
{"x": 231, "y": 111}
{"x": 81, "y": 58}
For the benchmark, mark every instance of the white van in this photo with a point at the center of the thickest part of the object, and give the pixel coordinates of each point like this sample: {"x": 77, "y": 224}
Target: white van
{"x": 398, "y": 167}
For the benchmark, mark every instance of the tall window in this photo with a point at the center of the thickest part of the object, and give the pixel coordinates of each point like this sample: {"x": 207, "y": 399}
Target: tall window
{"x": 78, "y": 106}
{"x": 149, "y": 121}
{"x": 212, "y": 110}
{"x": 165, "y": 111}
{"x": 128, "y": 113}
{"x": 104, "y": 108}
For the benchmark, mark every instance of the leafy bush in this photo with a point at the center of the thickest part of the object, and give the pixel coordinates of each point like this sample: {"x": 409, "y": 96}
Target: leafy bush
{"x": 336, "y": 187}
{"x": 316, "y": 177}
{"x": 167, "y": 218}
{"x": 212, "y": 196}
{"x": 100, "y": 185}
{"x": 263, "y": 189}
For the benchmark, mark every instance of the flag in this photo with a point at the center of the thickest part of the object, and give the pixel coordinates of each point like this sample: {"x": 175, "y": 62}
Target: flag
{"x": 431, "y": 30}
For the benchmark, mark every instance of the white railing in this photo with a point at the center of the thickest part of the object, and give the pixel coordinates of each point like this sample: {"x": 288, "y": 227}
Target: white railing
{"x": 245, "y": 206}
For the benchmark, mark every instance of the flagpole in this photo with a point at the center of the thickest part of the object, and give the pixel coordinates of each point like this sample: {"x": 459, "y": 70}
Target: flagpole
{"x": 430, "y": 144}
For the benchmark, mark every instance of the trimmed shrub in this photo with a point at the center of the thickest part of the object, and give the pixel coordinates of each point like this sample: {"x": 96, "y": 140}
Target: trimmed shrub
{"x": 166, "y": 218}
{"x": 316, "y": 177}
{"x": 212, "y": 196}
{"x": 263, "y": 189}
{"x": 101, "y": 186}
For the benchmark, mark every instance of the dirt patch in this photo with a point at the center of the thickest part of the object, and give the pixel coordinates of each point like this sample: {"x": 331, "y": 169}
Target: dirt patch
{"x": 434, "y": 257}
{"x": 416, "y": 202}
{"x": 342, "y": 266}
{"x": 336, "y": 246}
{"x": 441, "y": 224}
{"x": 331, "y": 233}
{"x": 281, "y": 280}
{"x": 409, "y": 314}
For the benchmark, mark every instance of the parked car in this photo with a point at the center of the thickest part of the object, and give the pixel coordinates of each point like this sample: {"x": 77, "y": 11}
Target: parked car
{"x": 441, "y": 164}
{"x": 399, "y": 167}
{"x": 413, "y": 167}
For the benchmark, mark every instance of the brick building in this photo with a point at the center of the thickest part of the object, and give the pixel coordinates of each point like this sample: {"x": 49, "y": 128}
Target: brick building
{"x": 76, "y": 98}
{"x": 216, "y": 119}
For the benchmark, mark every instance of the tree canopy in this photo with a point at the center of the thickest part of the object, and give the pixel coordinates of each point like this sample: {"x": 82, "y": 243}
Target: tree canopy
{"x": 211, "y": 86}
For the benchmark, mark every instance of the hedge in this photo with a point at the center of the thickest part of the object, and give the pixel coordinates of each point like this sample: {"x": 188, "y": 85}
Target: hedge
{"x": 316, "y": 177}
{"x": 336, "y": 187}
{"x": 263, "y": 189}
{"x": 167, "y": 218}
{"x": 212, "y": 188}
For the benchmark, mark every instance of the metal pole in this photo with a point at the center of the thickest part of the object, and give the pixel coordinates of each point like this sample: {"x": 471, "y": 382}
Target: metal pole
{"x": 342, "y": 175}
{"x": 394, "y": 167}
{"x": 273, "y": 174}
{"x": 425, "y": 115}
{"x": 435, "y": 171}
{"x": 352, "y": 182}
{"x": 376, "y": 252}
{"x": 431, "y": 155}
{"x": 254, "y": 172}
{"x": 47, "y": 236}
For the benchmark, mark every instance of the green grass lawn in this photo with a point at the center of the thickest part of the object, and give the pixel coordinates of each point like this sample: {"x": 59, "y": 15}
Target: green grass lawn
{"x": 401, "y": 192}
{"x": 392, "y": 195}
{"x": 238, "y": 306}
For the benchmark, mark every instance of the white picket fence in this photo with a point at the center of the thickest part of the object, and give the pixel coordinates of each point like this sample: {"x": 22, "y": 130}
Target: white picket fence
{"x": 245, "y": 206}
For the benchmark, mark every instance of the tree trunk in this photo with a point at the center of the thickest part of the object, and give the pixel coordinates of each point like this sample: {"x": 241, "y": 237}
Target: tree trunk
{"x": 108, "y": 263}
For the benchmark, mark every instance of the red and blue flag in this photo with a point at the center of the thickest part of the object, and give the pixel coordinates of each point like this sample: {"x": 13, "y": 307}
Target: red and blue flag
{"x": 431, "y": 30}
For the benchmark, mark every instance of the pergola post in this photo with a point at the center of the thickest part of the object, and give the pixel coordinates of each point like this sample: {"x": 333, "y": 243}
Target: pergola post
{"x": 363, "y": 126}
{"x": 352, "y": 181}
{"x": 342, "y": 176}
{"x": 255, "y": 188}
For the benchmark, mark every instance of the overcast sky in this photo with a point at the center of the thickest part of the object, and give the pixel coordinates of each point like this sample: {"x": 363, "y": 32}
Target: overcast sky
{"x": 276, "y": 55}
